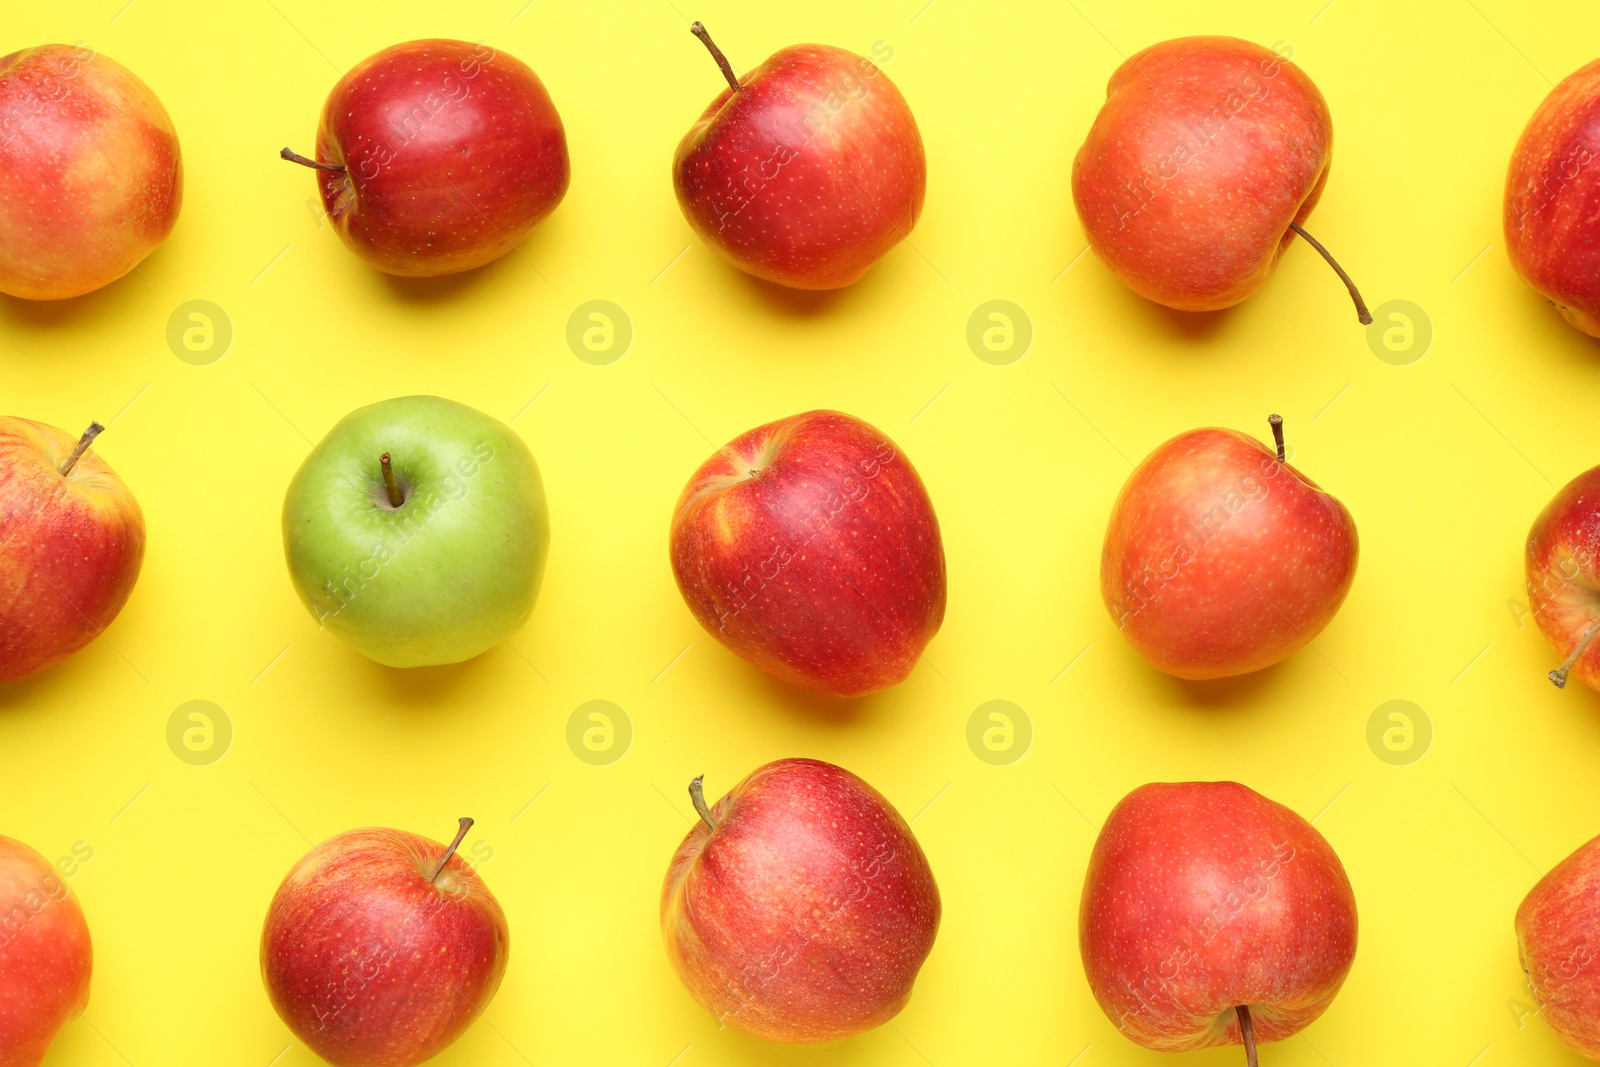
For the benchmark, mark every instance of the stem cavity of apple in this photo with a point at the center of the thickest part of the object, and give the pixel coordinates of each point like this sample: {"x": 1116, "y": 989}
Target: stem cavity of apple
{"x": 1355, "y": 294}
{"x": 461, "y": 835}
{"x": 699, "y": 31}
{"x": 1558, "y": 677}
{"x": 296, "y": 157}
{"x": 1276, "y": 422}
{"x": 94, "y": 430}
{"x": 395, "y": 499}
{"x": 697, "y": 796}
{"x": 1248, "y": 1030}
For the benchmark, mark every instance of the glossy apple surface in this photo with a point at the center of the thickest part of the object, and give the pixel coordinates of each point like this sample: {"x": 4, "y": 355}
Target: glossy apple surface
{"x": 1204, "y": 153}
{"x": 800, "y": 907}
{"x": 45, "y": 955}
{"x": 1562, "y": 564}
{"x": 375, "y": 955}
{"x": 70, "y": 546}
{"x": 91, "y": 178}
{"x": 1203, "y": 897}
{"x": 1221, "y": 558}
{"x": 807, "y": 174}
{"x": 809, "y": 547}
{"x": 444, "y": 155}
{"x": 1558, "y": 939}
{"x": 1551, "y": 226}
{"x": 451, "y": 571}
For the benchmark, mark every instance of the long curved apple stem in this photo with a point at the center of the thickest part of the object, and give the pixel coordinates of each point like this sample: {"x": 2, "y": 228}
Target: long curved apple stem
{"x": 395, "y": 499}
{"x": 716, "y": 53}
{"x": 1276, "y": 422}
{"x": 337, "y": 168}
{"x": 94, "y": 430}
{"x": 1559, "y": 675}
{"x": 697, "y": 796}
{"x": 1355, "y": 294}
{"x": 461, "y": 835}
{"x": 1248, "y": 1029}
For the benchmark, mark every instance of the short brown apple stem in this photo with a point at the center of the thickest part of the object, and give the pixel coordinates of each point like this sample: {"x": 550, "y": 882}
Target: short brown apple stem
{"x": 697, "y": 796}
{"x": 716, "y": 53}
{"x": 1248, "y": 1030}
{"x": 1355, "y": 294}
{"x": 94, "y": 430}
{"x": 1559, "y": 675}
{"x": 461, "y": 835}
{"x": 296, "y": 157}
{"x": 395, "y": 499}
{"x": 1276, "y": 422}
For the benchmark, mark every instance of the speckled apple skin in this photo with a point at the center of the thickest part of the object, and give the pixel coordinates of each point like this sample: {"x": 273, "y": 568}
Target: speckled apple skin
{"x": 1552, "y": 202}
{"x": 1558, "y": 939}
{"x": 70, "y": 547}
{"x": 808, "y": 174}
{"x": 1203, "y": 896}
{"x": 1219, "y": 559}
{"x": 91, "y": 178}
{"x": 806, "y": 915}
{"x": 1204, "y": 152}
{"x": 45, "y": 956}
{"x": 369, "y": 963}
{"x": 1562, "y": 564}
{"x": 809, "y": 547}
{"x": 453, "y": 153}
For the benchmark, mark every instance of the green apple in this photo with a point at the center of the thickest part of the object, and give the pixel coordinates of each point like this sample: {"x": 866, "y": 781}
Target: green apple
{"x": 417, "y": 531}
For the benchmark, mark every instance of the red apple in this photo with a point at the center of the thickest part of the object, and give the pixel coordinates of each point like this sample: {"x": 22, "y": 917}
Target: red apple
{"x": 382, "y": 947}
{"x": 1221, "y": 558}
{"x": 1563, "y": 574}
{"x": 438, "y": 156}
{"x": 45, "y": 956}
{"x": 1203, "y": 163}
{"x": 91, "y": 178}
{"x": 1558, "y": 938}
{"x": 799, "y": 908}
{"x": 1552, "y": 228}
{"x": 1213, "y": 916}
{"x": 809, "y": 547}
{"x": 71, "y": 542}
{"x": 806, "y": 170}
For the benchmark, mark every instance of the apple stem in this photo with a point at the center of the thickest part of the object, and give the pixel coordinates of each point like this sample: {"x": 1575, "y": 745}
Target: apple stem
{"x": 1355, "y": 294}
{"x": 697, "y": 796}
{"x": 1276, "y": 422}
{"x": 296, "y": 157}
{"x": 1248, "y": 1030}
{"x": 461, "y": 835}
{"x": 94, "y": 430}
{"x": 395, "y": 499}
{"x": 1559, "y": 675}
{"x": 716, "y": 53}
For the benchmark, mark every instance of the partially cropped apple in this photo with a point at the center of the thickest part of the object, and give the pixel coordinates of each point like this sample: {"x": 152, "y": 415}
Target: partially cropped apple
{"x": 1213, "y": 916}
{"x": 799, "y": 908}
{"x": 71, "y": 544}
{"x": 381, "y": 947}
{"x": 809, "y": 547}
{"x": 45, "y": 956}
{"x": 417, "y": 531}
{"x": 1201, "y": 168}
{"x": 806, "y": 170}
{"x": 438, "y": 156}
{"x": 1563, "y": 574}
{"x": 1558, "y": 939}
{"x": 1552, "y": 230}
{"x": 1221, "y": 558}
{"x": 91, "y": 178}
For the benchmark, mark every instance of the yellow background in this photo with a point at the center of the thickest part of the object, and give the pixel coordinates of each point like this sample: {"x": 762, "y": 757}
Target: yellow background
{"x": 1444, "y": 464}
